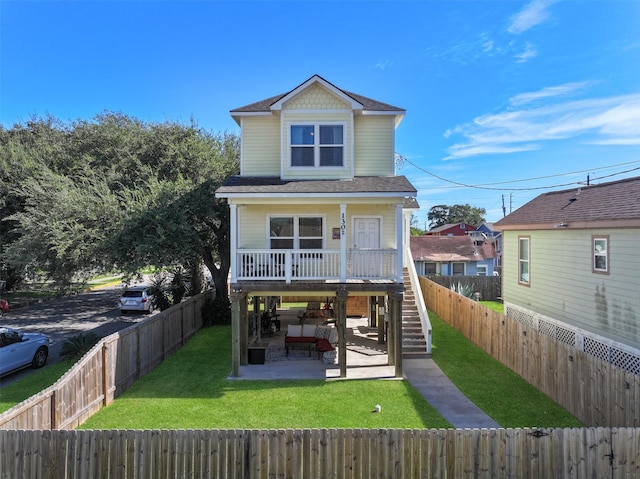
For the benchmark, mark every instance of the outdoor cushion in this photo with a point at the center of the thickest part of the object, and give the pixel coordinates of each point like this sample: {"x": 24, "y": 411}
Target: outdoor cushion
{"x": 309, "y": 330}
{"x": 294, "y": 330}
{"x": 300, "y": 339}
{"x": 323, "y": 345}
{"x": 323, "y": 332}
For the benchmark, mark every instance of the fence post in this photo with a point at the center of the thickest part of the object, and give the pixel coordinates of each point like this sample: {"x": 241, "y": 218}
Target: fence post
{"x": 105, "y": 376}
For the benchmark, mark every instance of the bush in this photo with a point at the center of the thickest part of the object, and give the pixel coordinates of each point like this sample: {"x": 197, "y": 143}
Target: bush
{"x": 216, "y": 311}
{"x": 78, "y": 345}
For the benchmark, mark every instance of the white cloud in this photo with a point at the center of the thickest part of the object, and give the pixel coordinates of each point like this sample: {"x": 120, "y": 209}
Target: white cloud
{"x": 604, "y": 121}
{"x": 529, "y": 16}
{"x": 528, "y": 53}
{"x": 383, "y": 64}
{"x": 549, "y": 92}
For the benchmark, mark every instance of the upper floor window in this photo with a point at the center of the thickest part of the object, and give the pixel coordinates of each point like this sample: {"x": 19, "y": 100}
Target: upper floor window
{"x": 317, "y": 145}
{"x": 600, "y": 254}
{"x": 523, "y": 260}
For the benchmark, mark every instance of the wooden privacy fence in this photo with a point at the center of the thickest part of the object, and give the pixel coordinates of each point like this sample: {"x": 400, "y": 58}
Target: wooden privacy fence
{"x": 322, "y": 453}
{"x": 489, "y": 287}
{"x": 108, "y": 369}
{"x": 595, "y": 391}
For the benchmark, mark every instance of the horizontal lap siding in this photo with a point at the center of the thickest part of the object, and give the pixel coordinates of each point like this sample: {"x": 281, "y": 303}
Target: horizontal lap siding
{"x": 564, "y": 287}
{"x": 374, "y": 146}
{"x": 261, "y": 146}
{"x": 253, "y": 228}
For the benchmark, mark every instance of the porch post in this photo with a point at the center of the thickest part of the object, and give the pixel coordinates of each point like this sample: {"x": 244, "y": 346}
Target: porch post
{"x": 399, "y": 242}
{"x": 340, "y": 311}
{"x": 233, "y": 237}
{"x": 343, "y": 243}
{"x": 244, "y": 330}
{"x": 391, "y": 330}
{"x": 381, "y": 321}
{"x": 236, "y": 298}
{"x": 396, "y": 325}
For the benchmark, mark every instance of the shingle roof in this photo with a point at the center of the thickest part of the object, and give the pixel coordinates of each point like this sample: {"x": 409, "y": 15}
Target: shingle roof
{"x": 275, "y": 185}
{"x": 368, "y": 104}
{"x": 614, "y": 201}
{"x": 449, "y": 248}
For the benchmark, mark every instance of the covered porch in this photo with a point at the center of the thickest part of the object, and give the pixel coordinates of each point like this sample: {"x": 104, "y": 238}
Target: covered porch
{"x": 359, "y": 344}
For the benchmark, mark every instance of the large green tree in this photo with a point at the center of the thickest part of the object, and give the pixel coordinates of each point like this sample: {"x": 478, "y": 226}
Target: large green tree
{"x": 116, "y": 192}
{"x": 440, "y": 215}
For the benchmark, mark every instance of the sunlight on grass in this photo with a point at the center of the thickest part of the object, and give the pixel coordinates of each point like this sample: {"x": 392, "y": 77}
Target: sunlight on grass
{"x": 33, "y": 383}
{"x": 191, "y": 390}
{"x": 501, "y": 393}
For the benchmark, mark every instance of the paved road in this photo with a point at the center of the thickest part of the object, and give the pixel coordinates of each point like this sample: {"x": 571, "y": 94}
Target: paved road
{"x": 95, "y": 311}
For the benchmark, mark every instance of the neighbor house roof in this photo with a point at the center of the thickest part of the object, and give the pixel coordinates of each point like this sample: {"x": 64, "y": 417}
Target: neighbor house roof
{"x": 449, "y": 248}
{"x": 275, "y": 186}
{"x": 616, "y": 203}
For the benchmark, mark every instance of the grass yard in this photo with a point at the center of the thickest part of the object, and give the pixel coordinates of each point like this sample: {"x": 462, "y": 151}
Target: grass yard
{"x": 502, "y": 394}
{"x": 190, "y": 390}
{"x": 33, "y": 383}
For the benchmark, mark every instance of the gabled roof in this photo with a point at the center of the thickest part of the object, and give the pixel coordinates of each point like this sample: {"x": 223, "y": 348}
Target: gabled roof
{"x": 448, "y": 226}
{"x": 616, "y": 203}
{"x": 359, "y": 103}
{"x": 449, "y": 248}
{"x": 275, "y": 186}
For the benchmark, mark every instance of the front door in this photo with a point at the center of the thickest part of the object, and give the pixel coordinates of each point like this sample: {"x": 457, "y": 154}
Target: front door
{"x": 366, "y": 246}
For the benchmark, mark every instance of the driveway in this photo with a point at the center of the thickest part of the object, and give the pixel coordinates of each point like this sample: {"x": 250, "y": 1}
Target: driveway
{"x": 96, "y": 311}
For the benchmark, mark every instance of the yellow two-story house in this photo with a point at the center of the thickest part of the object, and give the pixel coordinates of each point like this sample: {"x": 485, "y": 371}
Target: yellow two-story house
{"x": 317, "y": 208}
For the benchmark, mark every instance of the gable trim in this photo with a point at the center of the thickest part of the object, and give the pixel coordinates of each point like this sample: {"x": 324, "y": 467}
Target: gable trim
{"x": 355, "y": 105}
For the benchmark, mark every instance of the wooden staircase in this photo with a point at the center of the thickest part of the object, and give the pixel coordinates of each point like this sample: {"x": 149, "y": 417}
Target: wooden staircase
{"x": 414, "y": 344}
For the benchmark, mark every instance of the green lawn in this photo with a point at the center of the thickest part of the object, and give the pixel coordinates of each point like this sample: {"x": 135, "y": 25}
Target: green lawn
{"x": 191, "y": 390}
{"x": 33, "y": 383}
{"x": 502, "y": 394}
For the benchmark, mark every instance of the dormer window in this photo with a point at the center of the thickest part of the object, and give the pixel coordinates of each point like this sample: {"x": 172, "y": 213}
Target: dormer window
{"x": 315, "y": 145}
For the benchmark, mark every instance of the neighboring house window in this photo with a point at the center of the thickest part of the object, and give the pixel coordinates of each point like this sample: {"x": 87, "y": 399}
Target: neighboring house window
{"x": 430, "y": 268}
{"x": 296, "y": 232}
{"x": 482, "y": 269}
{"x": 317, "y": 145}
{"x": 600, "y": 254}
{"x": 457, "y": 269}
{"x": 523, "y": 260}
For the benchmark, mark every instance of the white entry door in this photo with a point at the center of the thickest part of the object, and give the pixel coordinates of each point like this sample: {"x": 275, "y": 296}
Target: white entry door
{"x": 366, "y": 245}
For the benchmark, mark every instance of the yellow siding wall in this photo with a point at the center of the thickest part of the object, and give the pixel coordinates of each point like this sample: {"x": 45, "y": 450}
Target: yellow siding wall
{"x": 316, "y": 98}
{"x": 252, "y": 222}
{"x": 260, "y": 146}
{"x": 374, "y": 146}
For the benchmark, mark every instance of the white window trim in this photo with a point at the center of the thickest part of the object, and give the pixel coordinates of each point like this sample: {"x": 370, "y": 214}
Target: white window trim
{"x": 484, "y": 267}
{"x": 595, "y": 253}
{"x": 316, "y": 146}
{"x": 296, "y": 228}
{"x": 528, "y": 261}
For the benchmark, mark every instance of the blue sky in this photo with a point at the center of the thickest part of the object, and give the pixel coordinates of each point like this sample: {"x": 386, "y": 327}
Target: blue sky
{"x": 504, "y": 99}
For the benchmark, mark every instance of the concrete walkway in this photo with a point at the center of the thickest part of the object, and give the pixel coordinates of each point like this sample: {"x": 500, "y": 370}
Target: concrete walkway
{"x": 443, "y": 395}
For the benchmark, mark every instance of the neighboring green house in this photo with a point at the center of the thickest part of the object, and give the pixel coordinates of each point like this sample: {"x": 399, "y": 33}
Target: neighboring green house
{"x": 317, "y": 209}
{"x": 571, "y": 268}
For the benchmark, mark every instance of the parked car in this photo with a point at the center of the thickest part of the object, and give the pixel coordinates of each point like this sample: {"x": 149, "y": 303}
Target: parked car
{"x": 4, "y": 306}
{"x": 137, "y": 298}
{"x": 21, "y": 350}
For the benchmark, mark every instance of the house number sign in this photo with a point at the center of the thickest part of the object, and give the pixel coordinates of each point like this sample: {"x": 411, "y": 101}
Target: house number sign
{"x": 343, "y": 224}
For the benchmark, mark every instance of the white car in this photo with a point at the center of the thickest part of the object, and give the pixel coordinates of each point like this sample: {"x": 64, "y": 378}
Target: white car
{"x": 21, "y": 350}
{"x": 137, "y": 298}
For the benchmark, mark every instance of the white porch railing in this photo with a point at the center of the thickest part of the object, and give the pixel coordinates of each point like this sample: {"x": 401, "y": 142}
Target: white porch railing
{"x": 315, "y": 264}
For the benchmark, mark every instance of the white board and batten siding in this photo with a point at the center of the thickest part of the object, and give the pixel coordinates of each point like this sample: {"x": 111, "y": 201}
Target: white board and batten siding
{"x": 564, "y": 287}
